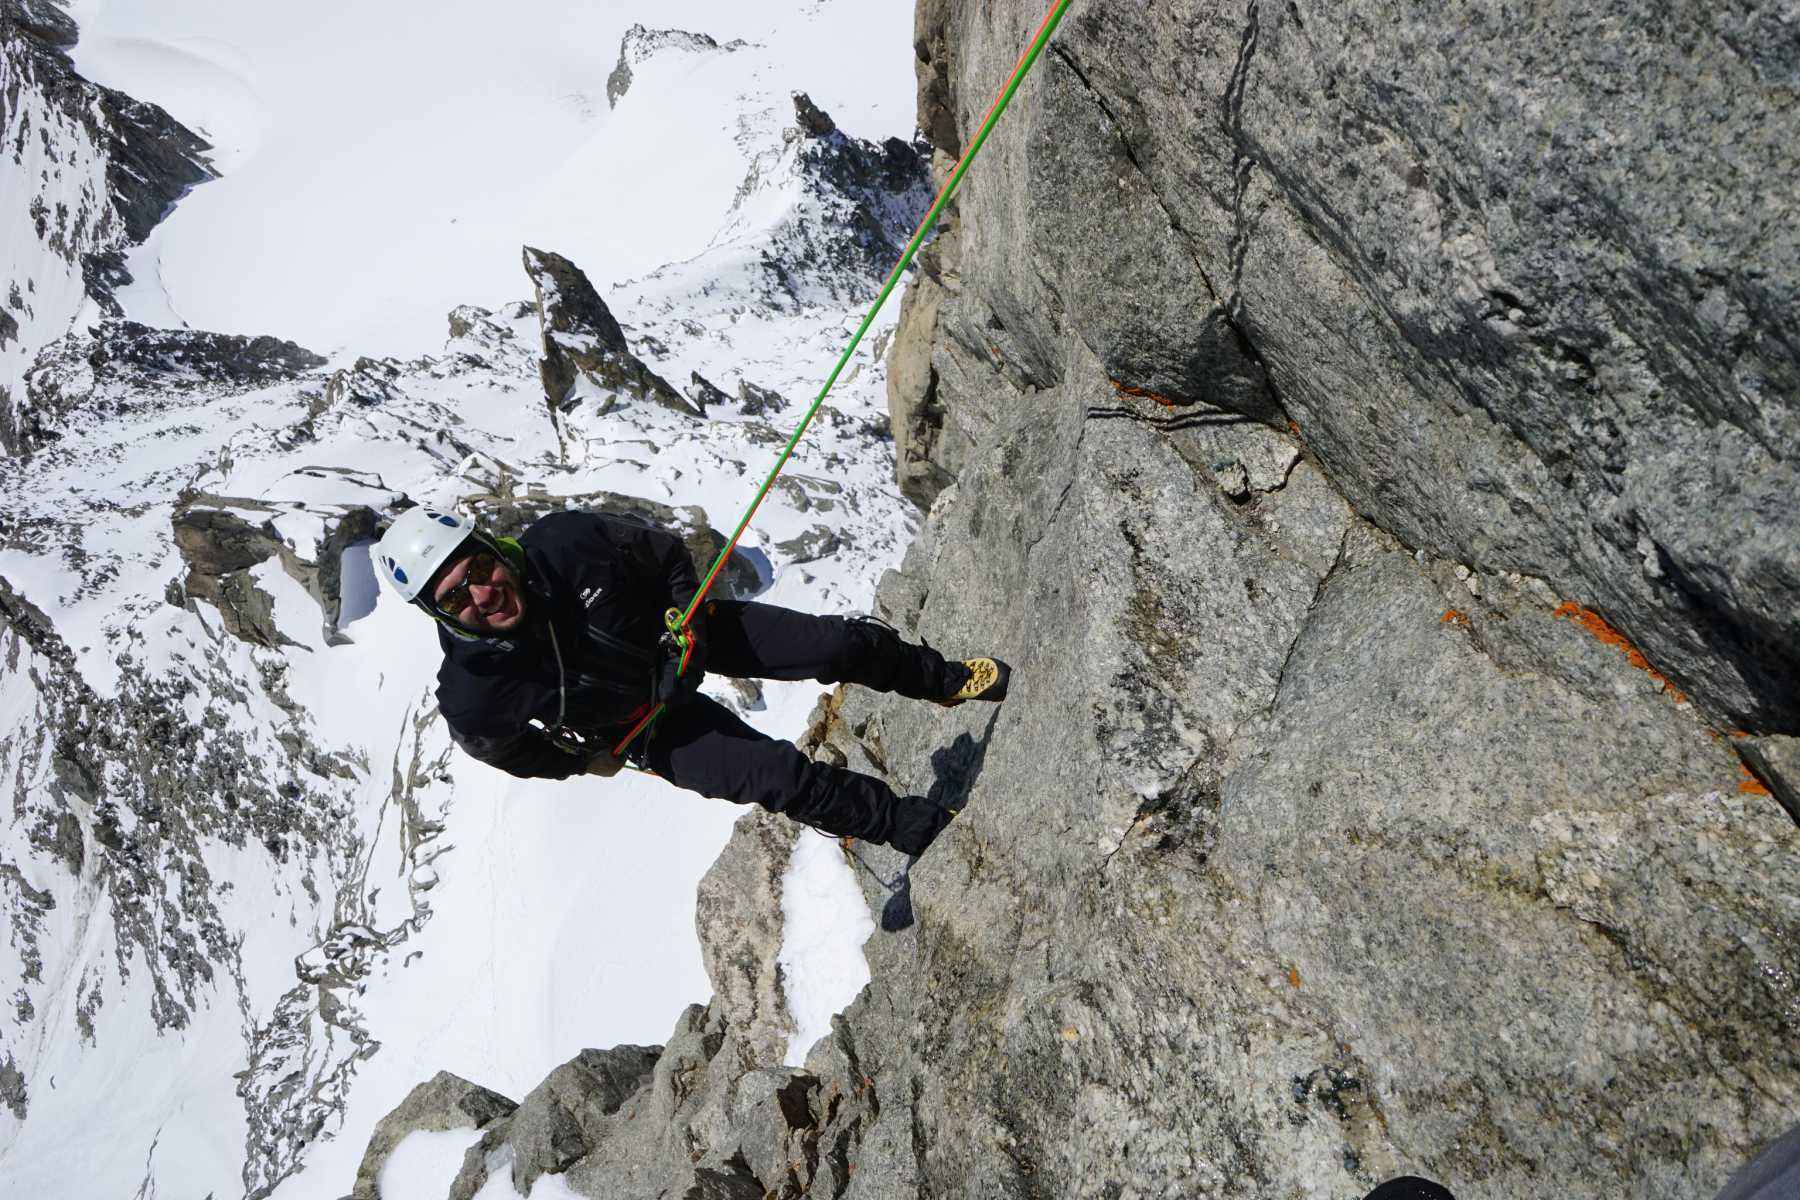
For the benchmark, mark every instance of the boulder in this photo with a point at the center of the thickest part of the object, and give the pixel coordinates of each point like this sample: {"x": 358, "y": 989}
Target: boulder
{"x": 704, "y": 393}
{"x": 755, "y": 401}
{"x": 585, "y": 354}
{"x": 220, "y": 546}
{"x": 442, "y": 1103}
{"x": 563, "y": 1118}
{"x": 738, "y": 913}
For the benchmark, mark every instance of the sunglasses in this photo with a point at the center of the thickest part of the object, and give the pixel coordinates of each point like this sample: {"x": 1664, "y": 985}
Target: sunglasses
{"x": 481, "y": 570}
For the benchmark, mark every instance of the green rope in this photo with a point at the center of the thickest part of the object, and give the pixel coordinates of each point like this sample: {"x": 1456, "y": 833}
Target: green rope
{"x": 925, "y": 227}
{"x": 1023, "y": 67}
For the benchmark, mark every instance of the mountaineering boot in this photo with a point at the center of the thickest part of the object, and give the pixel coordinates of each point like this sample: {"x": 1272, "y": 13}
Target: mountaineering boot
{"x": 981, "y": 679}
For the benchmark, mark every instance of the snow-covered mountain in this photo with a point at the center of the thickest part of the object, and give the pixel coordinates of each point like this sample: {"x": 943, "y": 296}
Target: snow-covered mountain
{"x": 251, "y": 895}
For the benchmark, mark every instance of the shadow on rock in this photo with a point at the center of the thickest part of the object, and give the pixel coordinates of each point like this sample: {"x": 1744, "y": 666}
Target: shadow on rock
{"x": 956, "y": 767}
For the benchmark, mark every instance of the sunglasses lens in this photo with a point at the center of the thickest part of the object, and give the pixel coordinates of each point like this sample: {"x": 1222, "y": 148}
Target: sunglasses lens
{"x": 479, "y": 572}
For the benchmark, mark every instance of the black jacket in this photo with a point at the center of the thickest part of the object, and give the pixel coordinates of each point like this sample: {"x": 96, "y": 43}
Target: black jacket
{"x": 601, "y": 584}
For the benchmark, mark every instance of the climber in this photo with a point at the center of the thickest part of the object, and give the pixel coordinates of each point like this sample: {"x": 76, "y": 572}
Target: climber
{"x": 555, "y": 647}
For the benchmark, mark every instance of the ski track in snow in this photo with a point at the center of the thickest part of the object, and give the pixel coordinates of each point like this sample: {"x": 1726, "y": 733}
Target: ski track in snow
{"x": 541, "y": 917}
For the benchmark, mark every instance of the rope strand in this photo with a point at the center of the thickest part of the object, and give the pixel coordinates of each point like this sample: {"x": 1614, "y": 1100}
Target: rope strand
{"x": 1020, "y": 69}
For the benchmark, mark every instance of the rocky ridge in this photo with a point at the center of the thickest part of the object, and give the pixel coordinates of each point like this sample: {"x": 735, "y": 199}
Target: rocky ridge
{"x": 98, "y": 170}
{"x": 640, "y": 44}
{"x": 1392, "y": 479}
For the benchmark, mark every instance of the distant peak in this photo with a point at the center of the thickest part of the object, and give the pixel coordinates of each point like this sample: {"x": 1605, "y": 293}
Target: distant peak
{"x": 640, "y": 44}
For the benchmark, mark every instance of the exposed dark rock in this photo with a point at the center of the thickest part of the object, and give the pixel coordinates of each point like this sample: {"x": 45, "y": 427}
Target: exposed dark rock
{"x": 876, "y": 192}
{"x": 43, "y": 20}
{"x": 704, "y": 393}
{"x": 219, "y": 543}
{"x": 360, "y": 524}
{"x": 466, "y": 319}
{"x": 220, "y": 547}
{"x": 640, "y": 44}
{"x": 215, "y": 542}
{"x": 932, "y": 65}
{"x": 13, "y": 1093}
{"x": 812, "y": 120}
{"x": 151, "y": 159}
{"x": 364, "y": 384}
{"x": 755, "y": 401}
{"x": 814, "y": 544}
{"x": 190, "y": 357}
{"x": 582, "y": 343}
{"x": 117, "y": 366}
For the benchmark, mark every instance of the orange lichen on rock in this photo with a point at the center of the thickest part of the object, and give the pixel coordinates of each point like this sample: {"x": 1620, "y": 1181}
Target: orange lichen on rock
{"x": 1294, "y": 977}
{"x": 1596, "y": 624}
{"x": 1750, "y": 784}
{"x": 1144, "y": 394}
{"x": 1451, "y": 616}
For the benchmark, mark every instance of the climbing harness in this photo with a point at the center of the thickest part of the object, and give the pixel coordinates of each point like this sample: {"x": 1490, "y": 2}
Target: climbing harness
{"x": 678, "y": 620}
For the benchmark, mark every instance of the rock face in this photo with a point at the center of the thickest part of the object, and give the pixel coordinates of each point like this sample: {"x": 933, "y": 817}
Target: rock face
{"x": 1390, "y": 474}
{"x": 89, "y": 172}
{"x": 1509, "y": 335}
{"x": 151, "y": 160}
{"x": 1380, "y": 807}
{"x": 585, "y": 354}
{"x": 220, "y": 547}
{"x": 120, "y": 363}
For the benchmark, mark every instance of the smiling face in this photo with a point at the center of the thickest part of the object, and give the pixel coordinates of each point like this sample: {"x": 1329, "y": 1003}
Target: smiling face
{"x": 481, "y": 593}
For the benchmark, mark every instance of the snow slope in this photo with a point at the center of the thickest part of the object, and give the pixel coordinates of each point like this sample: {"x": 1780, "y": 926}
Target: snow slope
{"x": 237, "y": 963}
{"x": 383, "y": 163}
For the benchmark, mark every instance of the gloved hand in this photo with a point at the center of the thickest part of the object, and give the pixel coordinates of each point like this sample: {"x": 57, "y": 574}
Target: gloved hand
{"x": 672, "y": 685}
{"x": 603, "y": 764}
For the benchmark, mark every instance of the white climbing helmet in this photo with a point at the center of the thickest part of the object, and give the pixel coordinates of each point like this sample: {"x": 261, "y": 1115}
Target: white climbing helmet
{"x": 419, "y": 542}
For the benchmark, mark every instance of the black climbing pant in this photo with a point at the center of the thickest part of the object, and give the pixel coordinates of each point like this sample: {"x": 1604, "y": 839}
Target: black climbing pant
{"x": 702, "y": 746}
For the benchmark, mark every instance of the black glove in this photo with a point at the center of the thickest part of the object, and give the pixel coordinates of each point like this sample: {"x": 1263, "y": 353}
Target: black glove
{"x": 672, "y": 685}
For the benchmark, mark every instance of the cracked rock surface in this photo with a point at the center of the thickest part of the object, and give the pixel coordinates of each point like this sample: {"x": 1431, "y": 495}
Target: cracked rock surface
{"x": 1370, "y": 437}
